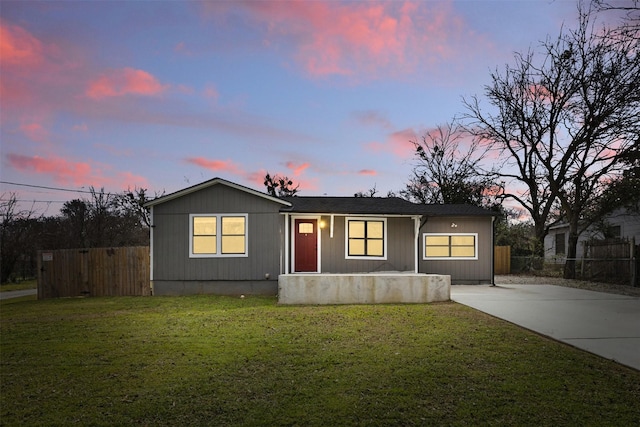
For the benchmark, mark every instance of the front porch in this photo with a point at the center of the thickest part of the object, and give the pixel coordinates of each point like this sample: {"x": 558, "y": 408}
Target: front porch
{"x": 365, "y": 288}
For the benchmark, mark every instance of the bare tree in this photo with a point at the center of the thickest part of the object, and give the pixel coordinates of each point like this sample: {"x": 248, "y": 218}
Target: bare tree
{"x": 105, "y": 220}
{"x": 449, "y": 169}
{"x": 629, "y": 12}
{"x": 369, "y": 193}
{"x": 564, "y": 122}
{"x": 131, "y": 203}
{"x": 280, "y": 186}
{"x": 16, "y": 228}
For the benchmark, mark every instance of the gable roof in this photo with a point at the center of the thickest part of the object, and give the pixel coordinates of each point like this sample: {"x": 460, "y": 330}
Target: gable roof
{"x": 211, "y": 182}
{"x": 377, "y": 206}
{"x": 338, "y": 205}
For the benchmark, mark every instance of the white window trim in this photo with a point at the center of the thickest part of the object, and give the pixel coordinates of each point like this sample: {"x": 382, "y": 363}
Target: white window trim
{"x": 219, "y": 253}
{"x": 346, "y": 237}
{"x": 424, "y": 246}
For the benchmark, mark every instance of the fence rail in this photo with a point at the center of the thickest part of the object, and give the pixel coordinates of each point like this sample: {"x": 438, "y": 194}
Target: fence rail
{"x": 612, "y": 261}
{"x": 119, "y": 271}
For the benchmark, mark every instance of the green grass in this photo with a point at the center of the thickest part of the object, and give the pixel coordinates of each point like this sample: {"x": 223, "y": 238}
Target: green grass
{"x": 18, "y": 286}
{"x": 225, "y": 361}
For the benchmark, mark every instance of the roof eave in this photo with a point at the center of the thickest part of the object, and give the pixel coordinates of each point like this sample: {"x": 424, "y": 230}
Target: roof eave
{"x": 210, "y": 183}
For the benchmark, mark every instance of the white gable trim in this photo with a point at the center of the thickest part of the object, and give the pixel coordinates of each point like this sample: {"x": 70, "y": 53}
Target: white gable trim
{"x": 210, "y": 183}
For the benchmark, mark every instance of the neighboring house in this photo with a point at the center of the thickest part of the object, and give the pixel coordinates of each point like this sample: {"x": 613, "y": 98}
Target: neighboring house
{"x": 223, "y": 238}
{"x": 622, "y": 224}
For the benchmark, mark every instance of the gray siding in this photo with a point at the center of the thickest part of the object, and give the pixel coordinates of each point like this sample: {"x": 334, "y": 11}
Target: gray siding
{"x": 400, "y": 249}
{"x": 462, "y": 271}
{"x": 171, "y": 238}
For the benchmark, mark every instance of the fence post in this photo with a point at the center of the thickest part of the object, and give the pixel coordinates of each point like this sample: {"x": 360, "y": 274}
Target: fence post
{"x": 633, "y": 262}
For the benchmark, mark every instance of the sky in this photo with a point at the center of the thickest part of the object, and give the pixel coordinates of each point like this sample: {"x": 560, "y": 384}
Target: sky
{"x": 164, "y": 95}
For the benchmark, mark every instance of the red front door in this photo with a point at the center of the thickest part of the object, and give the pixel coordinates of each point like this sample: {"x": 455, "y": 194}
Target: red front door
{"x": 306, "y": 242}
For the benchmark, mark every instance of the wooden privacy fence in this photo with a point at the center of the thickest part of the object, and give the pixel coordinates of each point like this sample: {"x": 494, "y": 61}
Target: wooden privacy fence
{"x": 613, "y": 260}
{"x": 94, "y": 272}
{"x": 502, "y": 259}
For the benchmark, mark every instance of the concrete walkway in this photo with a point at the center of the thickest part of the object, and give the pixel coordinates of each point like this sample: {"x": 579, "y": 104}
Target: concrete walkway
{"x": 16, "y": 294}
{"x": 604, "y": 324}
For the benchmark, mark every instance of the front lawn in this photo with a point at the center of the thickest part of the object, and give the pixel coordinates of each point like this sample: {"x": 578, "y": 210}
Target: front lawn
{"x": 209, "y": 360}
{"x": 19, "y": 286}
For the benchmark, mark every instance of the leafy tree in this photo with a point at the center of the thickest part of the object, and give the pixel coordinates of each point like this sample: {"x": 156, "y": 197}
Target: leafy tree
{"x": 75, "y": 218}
{"x": 280, "y": 186}
{"x": 621, "y": 192}
{"x": 449, "y": 170}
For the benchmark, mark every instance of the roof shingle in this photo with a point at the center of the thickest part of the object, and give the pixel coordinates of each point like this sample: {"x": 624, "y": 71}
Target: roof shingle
{"x": 377, "y": 206}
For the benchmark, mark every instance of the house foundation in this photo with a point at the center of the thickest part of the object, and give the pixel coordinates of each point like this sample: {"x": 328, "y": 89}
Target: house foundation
{"x": 363, "y": 288}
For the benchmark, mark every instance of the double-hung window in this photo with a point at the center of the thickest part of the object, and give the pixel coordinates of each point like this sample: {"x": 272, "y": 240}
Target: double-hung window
{"x": 444, "y": 246}
{"x": 217, "y": 235}
{"x": 366, "y": 238}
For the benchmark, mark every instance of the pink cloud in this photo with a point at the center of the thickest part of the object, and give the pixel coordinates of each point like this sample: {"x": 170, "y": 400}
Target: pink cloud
{"x": 297, "y": 169}
{"x": 367, "y": 172}
{"x": 398, "y": 143}
{"x": 131, "y": 180}
{"x": 256, "y": 180}
{"x": 39, "y": 76}
{"x": 35, "y": 132}
{"x": 211, "y": 92}
{"x": 64, "y": 171}
{"x": 18, "y": 46}
{"x": 361, "y": 38}
{"x": 216, "y": 165}
{"x": 13, "y": 94}
{"x": 124, "y": 82}
{"x": 307, "y": 184}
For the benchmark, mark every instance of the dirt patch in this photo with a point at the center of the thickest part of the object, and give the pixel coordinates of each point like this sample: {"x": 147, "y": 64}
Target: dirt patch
{"x": 559, "y": 281}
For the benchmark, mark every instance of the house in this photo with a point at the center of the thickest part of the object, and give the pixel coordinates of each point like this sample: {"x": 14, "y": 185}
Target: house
{"x": 622, "y": 224}
{"x": 224, "y": 238}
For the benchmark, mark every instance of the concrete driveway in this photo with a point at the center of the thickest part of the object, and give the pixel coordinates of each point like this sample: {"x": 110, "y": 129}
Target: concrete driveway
{"x": 16, "y": 294}
{"x": 604, "y": 324}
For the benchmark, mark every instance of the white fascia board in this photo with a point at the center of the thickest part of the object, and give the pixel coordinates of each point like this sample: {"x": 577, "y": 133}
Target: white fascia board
{"x": 210, "y": 183}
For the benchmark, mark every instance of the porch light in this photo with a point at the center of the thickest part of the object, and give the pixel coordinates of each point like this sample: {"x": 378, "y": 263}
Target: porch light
{"x": 322, "y": 224}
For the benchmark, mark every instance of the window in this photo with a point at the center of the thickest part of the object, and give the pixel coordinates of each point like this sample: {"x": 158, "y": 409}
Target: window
{"x": 305, "y": 228}
{"x": 560, "y": 249}
{"x": 233, "y": 235}
{"x": 204, "y": 235}
{"x": 366, "y": 238}
{"x": 616, "y": 231}
{"x": 214, "y": 235}
{"x": 450, "y": 246}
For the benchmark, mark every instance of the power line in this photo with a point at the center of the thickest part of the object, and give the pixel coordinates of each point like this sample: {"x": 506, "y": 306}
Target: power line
{"x": 53, "y": 188}
{"x": 34, "y": 201}
{"x": 46, "y": 188}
